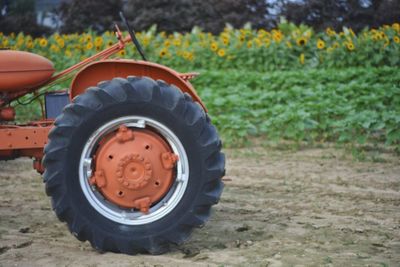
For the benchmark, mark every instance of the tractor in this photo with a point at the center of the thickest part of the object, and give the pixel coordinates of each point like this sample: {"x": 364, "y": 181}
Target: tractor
{"x": 128, "y": 153}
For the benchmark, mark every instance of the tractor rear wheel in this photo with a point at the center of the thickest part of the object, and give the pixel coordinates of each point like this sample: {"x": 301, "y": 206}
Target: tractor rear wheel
{"x": 133, "y": 165}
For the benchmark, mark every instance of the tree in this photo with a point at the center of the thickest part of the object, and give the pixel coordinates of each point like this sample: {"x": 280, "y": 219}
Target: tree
{"x": 20, "y": 16}
{"x": 356, "y": 14}
{"x": 99, "y": 16}
{"x": 183, "y": 15}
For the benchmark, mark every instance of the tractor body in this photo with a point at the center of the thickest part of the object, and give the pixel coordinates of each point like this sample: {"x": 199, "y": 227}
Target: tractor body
{"x": 128, "y": 153}
{"x": 22, "y": 73}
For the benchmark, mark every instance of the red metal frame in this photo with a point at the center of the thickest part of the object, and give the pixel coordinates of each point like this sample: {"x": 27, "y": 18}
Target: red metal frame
{"x": 29, "y": 139}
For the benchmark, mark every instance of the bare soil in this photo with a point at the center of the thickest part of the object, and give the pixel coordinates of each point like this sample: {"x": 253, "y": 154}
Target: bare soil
{"x": 313, "y": 207}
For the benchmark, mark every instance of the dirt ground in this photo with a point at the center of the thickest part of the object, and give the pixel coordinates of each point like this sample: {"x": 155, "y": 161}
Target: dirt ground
{"x": 312, "y": 207}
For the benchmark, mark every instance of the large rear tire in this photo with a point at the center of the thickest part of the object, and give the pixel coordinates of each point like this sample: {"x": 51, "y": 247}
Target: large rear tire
{"x": 140, "y": 104}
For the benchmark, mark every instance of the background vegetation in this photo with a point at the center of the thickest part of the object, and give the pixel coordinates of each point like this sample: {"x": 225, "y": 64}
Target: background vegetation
{"x": 289, "y": 83}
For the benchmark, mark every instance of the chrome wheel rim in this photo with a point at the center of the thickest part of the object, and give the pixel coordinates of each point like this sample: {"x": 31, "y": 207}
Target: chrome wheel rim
{"x": 131, "y": 216}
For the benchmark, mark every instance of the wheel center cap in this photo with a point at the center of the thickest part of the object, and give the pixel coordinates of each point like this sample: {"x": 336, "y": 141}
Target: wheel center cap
{"x": 134, "y": 171}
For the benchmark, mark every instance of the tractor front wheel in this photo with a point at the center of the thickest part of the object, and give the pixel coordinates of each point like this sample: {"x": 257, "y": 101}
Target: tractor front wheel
{"x": 133, "y": 165}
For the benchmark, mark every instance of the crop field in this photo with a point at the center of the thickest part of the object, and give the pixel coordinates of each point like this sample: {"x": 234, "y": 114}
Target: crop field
{"x": 311, "y": 129}
{"x": 287, "y": 84}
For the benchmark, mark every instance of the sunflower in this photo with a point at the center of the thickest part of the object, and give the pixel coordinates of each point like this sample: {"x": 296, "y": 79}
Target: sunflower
{"x": 43, "y": 42}
{"x": 98, "y": 41}
{"x": 110, "y": 43}
{"x": 89, "y": 46}
{"x": 163, "y": 52}
{"x": 214, "y": 46}
{"x": 54, "y": 48}
{"x": 396, "y": 26}
{"x": 330, "y": 32}
{"x": 188, "y": 55}
{"x": 225, "y": 40}
{"x": 122, "y": 53}
{"x": 167, "y": 43}
{"x": 177, "y": 42}
{"x": 288, "y": 44}
{"x": 249, "y": 44}
{"x": 396, "y": 39}
{"x": 301, "y": 59}
{"x": 350, "y": 46}
{"x": 301, "y": 41}
{"x": 221, "y": 52}
{"x": 60, "y": 42}
{"x": 320, "y": 44}
{"x": 68, "y": 53}
{"x": 29, "y": 44}
{"x": 277, "y": 35}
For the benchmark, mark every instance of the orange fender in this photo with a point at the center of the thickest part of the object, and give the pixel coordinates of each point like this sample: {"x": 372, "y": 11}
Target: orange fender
{"x": 108, "y": 69}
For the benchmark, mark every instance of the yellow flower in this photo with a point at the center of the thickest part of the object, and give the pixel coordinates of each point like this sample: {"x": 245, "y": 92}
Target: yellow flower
{"x": 98, "y": 41}
{"x": 320, "y": 44}
{"x": 242, "y": 38}
{"x": 29, "y": 45}
{"x": 262, "y": 33}
{"x": 163, "y": 52}
{"x": 167, "y": 43}
{"x": 288, "y": 44}
{"x": 221, "y": 52}
{"x": 186, "y": 44}
{"x": 177, "y": 42}
{"x": 68, "y": 53}
{"x": 301, "y": 41}
{"x": 60, "y": 42}
{"x": 350, "y": 46}
{"x": 277, "y": 36}
{"x": 214, "y": 46}
{"x": 5, "y": 42}
{"x": 188, "y": 55}
{"x": 89, "y": 46}
{"x": 249, "y": 44}
{"x": 43, "y": 42}
{"x": 301, "y": 59}
{"x": 88, "y": 38}
{"x": 396, "y": 39}
{"x": 330, "y": 32}
{"x": 121, "y": 53}
{"x": 225, "y": 40}
{"x": 396, "y": 26}
{"x": 109, "y": 43}
{"x": 258, "y": 42}
{"x": 54, "y": 48}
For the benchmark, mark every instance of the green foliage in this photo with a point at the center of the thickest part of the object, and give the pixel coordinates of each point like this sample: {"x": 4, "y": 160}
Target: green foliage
{"x": 290, "y": 83}
{"x": 355, "y": 105}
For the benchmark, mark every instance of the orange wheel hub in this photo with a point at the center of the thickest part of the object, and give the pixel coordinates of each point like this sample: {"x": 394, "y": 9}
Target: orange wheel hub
{"x": 134, "y": 168}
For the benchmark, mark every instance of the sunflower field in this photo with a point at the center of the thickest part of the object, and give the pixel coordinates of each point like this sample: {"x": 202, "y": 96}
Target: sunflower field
{"x": 288, "y": 83}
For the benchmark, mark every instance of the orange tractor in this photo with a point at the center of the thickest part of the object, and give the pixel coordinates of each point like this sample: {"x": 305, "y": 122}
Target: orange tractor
{"x": 128, "y": 154}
